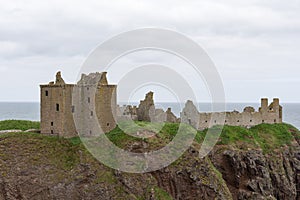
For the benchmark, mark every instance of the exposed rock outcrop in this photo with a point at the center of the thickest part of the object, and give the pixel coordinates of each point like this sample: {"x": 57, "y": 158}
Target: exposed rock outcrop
{"x": 253, "y": 175}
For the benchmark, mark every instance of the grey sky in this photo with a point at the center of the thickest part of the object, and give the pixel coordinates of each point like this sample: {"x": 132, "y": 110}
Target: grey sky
{"x": 255, "y": 44}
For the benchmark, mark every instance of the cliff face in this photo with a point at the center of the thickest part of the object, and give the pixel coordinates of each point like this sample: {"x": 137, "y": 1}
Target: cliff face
{"x": 40, "y": 167}
{"x": 252, "y": 175}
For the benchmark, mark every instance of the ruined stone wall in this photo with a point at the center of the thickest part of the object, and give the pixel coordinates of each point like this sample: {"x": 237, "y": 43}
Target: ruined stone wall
{"x": 269, "y": 114}
{"x": 146, "y": 111}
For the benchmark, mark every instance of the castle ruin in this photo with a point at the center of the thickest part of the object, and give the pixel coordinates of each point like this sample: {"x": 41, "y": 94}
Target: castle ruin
{"x": 98, "y": 101}
{"x": 146, "y": 111}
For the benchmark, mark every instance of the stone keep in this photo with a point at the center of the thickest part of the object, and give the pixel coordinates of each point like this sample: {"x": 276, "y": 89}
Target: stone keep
{"x": 58, "y": 109}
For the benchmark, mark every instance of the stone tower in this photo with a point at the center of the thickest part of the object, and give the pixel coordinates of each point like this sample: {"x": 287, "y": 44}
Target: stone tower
{"x": 58, "y": 109}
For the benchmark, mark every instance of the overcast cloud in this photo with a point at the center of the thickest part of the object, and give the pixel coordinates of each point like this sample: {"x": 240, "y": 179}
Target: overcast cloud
{"x": 255, "y": 44}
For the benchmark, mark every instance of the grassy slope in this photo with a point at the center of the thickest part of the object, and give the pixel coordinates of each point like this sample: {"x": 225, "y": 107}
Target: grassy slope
{"x": 18, "y": 125}
{"x": 264, "y": 136}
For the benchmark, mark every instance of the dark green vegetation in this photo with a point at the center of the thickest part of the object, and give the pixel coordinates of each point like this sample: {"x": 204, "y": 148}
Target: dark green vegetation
{"x": 18, "y": 125}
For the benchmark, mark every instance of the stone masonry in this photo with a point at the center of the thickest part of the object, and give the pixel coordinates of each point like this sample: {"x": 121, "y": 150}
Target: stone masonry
{"x": 146, "y": 111}
{"x": 269, "y": 114}
{"x": 58, "y": 109}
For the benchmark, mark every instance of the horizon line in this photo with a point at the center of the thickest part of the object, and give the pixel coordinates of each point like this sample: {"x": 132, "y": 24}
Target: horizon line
{"x": 162, "y": 102}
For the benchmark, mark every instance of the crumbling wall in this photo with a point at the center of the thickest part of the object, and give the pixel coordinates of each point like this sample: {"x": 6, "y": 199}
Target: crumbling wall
{"x": 146, "y": 111}
{"x": 190, "y": 114}
{"x": 249, "y": 117}
{"x": 171, "y": 117}
{"x": 146, "y": 108}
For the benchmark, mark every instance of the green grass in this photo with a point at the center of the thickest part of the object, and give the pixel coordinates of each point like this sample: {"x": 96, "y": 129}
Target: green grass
{"x": 265, "y": 136}
{"x": 273, "y": 136}
{"x": 119, "y": 138}
{"x": 54, "y": 150}
{"x": 234, "y": 134}
{"x": 161, "y": 194}
{"x": 19, "y": 125}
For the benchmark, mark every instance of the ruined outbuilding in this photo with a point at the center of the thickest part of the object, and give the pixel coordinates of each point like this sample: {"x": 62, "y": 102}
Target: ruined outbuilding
{"x": 269, "y": 114}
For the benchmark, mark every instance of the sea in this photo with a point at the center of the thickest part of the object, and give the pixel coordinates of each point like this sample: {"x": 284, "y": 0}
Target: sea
{"x": 31, "y": 110}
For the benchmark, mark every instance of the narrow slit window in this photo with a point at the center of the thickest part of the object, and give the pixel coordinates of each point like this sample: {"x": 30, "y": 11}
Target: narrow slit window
{"x": 51, "y": 123}
{"x": 46, "y": 93}
{"x": 92, "y": 113}
{"x": 57, "y": 107}
{"x": 73, "y": 109}
{"x": 89, "y": 100}
{"x": 52, "y": 132}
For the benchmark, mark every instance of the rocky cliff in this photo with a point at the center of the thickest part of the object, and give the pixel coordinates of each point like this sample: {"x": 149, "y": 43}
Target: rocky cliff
{"x": 260, "y": 163}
